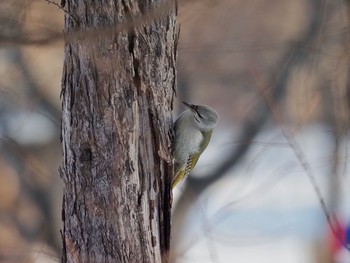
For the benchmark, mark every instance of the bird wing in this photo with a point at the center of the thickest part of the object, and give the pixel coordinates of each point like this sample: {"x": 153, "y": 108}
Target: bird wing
{"x": 184, "y": 172}
{"x": 191, "y": 162}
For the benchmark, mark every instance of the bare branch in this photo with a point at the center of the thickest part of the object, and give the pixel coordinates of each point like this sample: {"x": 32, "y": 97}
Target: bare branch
{"x": 50, "y": 36}
{"x": 291, "y": 59}
{"x": 331, "y": 219}
{"x": 61, "y": 8}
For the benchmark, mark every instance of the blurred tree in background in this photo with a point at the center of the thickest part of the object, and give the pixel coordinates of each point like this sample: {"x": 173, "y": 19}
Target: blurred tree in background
{"x": 246, "y": 59}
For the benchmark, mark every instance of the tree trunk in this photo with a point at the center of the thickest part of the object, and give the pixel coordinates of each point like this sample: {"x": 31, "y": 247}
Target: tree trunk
{"x": 117, "y": 95}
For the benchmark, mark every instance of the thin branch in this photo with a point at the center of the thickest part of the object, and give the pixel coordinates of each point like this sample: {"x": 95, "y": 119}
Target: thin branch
{"x": 298, "y": 152}
{"x": 61, "y": 8}
{"x": 91, "y": 34}
{"x": 292, "y": 58}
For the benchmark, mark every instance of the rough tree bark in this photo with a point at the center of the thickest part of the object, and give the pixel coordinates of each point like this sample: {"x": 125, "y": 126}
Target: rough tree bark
{"x": 117, "y": 94}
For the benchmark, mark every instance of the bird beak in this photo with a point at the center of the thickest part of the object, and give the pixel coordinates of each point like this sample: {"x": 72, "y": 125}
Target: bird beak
{"x": 190, "y": 106}
{"x": 193, "y": 108}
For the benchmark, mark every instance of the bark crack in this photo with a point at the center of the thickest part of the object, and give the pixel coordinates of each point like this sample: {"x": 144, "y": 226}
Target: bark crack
{"x": 135, "y": 60}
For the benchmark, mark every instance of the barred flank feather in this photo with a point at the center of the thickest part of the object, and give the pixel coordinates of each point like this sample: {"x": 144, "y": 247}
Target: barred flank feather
{"x": 184, "y": 170}
{"x": 188, "y": 167}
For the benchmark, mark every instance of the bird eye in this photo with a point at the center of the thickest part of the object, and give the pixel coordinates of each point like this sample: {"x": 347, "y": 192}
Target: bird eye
{"x": 199, "y": 115}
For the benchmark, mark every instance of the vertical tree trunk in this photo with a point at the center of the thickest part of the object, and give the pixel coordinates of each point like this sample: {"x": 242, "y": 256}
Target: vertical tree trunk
{"x": 117, "y": 88}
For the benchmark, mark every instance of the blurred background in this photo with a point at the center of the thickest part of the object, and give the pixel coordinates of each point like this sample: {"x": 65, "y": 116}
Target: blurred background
{"x": 277, "y": 72}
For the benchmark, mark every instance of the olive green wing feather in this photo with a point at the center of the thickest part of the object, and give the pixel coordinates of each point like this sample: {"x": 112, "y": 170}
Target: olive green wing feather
{"x": 192, "y": 160}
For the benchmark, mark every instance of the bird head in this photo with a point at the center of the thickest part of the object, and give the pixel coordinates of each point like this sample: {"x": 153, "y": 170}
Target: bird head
{"x": 205, "y": 118}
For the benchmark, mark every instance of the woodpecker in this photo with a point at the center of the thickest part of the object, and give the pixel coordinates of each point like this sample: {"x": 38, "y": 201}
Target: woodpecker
{"x": 193, "y": 130}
